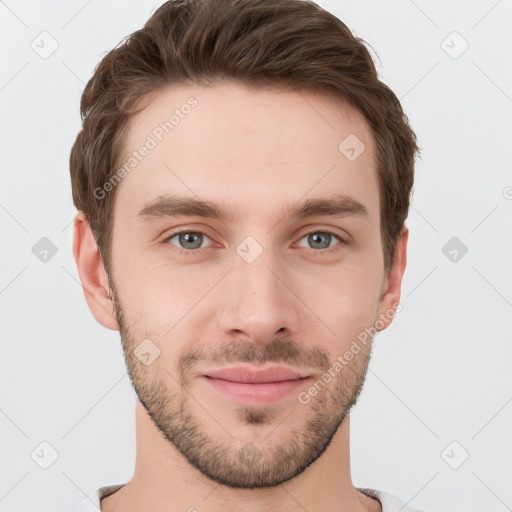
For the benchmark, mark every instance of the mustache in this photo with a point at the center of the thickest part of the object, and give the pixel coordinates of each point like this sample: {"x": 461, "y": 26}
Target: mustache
{"x": 276, "y": 351}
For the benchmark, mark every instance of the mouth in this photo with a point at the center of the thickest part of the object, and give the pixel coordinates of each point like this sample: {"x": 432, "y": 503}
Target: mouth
{"x": 251, "y": 386}
{"x": 252, "y": 375}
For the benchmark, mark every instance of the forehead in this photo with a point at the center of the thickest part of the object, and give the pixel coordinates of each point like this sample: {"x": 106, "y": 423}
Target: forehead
{"x": 251, "y": 149}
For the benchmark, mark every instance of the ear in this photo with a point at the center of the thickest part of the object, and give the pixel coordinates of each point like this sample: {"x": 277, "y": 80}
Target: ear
{"x": 92, "y": 273}
{"x": 392, "y": 284}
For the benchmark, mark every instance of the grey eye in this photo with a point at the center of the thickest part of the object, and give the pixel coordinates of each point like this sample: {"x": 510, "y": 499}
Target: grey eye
{"x": 189, "y": 239}
{"x": 320, "y": 239}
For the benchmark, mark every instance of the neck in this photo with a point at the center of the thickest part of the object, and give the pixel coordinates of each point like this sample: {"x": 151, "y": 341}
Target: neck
{"x": 164, "y": 480}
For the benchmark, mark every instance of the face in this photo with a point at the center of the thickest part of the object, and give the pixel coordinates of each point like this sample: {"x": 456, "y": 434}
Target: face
{"x": 270, "y": 281}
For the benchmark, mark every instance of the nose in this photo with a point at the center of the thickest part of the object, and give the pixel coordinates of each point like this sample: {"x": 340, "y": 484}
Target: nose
{"x": 258, "y": 302}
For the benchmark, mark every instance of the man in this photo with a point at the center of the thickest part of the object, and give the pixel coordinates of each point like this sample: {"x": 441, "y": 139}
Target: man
{"x": 242, "y": 180}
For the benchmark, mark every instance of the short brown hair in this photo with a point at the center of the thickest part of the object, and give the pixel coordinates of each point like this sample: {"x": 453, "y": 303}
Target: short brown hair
{"x": 269, "y": 43}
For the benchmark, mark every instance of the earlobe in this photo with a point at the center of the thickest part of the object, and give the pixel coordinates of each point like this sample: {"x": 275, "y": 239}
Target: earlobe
{"x": 92, "y": 273}
{"x": 392, "y": 283}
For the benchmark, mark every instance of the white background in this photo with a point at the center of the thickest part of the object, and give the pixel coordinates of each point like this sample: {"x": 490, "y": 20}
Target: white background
{"x": 440, "y": 373}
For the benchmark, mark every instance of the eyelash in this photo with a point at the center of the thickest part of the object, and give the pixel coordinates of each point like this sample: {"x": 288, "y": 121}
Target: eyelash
{"x": 191, "y": 252}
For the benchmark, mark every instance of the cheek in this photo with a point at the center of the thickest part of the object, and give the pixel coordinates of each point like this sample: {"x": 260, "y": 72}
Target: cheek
{"x": 160, "y": 297}
{"x": 344, "y": 301}
{"x": 157, "y": 295}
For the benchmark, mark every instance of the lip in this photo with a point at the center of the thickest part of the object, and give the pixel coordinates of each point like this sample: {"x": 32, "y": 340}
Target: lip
{"x": 249, "y": 375}
{"x": 249, "y": 386}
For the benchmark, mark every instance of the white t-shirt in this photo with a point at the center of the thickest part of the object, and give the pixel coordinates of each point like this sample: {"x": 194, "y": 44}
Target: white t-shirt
{"x": 388, "y": 502}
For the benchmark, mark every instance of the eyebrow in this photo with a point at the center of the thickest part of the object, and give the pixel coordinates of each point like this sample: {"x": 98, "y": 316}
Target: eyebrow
{"x": 173, "y": 206}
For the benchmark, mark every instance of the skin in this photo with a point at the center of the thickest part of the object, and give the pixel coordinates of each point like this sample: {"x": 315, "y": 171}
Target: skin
{"x": 298, "y": 304}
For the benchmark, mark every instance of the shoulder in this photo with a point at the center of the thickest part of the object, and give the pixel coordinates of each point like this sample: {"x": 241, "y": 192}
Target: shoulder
{"x": 389, "y": 502}
{"x": 92, "y": 504}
